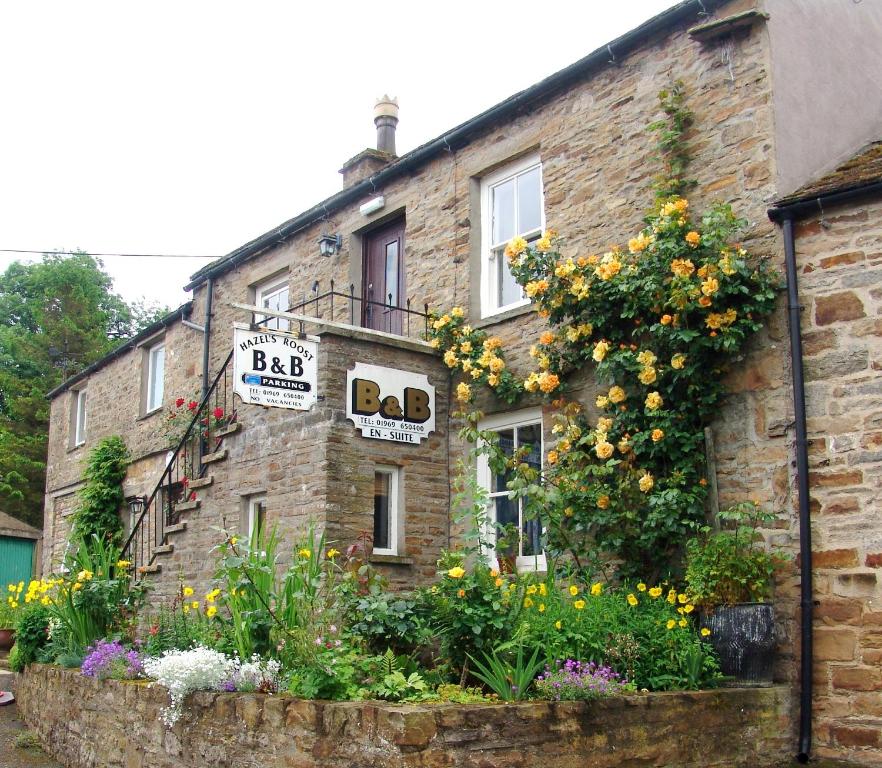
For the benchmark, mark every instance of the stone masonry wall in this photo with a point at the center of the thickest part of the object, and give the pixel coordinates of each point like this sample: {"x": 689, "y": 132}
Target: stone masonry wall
{"x": 839, "y": 258}
{"x": 87, "y": 723}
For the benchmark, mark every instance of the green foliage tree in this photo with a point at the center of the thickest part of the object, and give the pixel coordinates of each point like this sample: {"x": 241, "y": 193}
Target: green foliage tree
{"x": 56, "y": 317}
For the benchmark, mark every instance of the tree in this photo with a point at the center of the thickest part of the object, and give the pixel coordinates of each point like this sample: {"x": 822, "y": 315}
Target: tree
{"x": 57, "y": 316}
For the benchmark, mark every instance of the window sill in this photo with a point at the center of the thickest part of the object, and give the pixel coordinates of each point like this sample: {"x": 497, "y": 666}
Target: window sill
{"x": 501, "y": 317}
{"x": 391, "y": 559}
{"x": 147, "y": 415}
{"x": 77, "y": 447}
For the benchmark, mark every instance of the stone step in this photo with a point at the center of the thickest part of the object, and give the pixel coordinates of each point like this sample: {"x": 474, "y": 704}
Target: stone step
{"x": 164, "y": 549}
{"x": 152, "y": 568}
{"x": 176, "y": 528}
{"x": 230, "y": 429}
{"x": 210, "y": 458}
{"x": 187, "y": 506}
{"x": 201, "y": 482}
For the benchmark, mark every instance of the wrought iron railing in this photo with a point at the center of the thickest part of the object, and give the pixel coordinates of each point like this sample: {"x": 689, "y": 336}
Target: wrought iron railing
{"x": 212, "y": 418}
{"x": 381, "y": 313}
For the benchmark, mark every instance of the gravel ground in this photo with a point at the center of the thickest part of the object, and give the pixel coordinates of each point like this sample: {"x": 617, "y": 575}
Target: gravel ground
{"x": 12, "y": 756}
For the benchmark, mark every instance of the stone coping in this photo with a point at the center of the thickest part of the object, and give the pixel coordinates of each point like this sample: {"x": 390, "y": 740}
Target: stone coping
{"x": 87, "y": 723}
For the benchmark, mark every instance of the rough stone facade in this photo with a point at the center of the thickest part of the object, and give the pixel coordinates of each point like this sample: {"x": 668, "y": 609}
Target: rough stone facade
{"x": 111, "y": 724}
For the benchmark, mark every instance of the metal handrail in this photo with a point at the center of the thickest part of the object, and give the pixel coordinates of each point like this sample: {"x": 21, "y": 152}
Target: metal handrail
{"x": 129, "y": 550}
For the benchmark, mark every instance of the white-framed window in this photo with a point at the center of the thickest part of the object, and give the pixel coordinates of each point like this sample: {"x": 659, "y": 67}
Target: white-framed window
{"x": 512, "y": 203}
{"x": 256, "y": 516}
{"x": 273, "y": 295}
{"x": 79, "y": 417}
{"x": 517, "y": 430}
{"x": 387, "y": 480}
{"x": 155, "y": 376}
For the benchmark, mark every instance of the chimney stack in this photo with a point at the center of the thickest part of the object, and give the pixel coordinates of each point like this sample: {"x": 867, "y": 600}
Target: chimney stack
{"x": 386, "y": 119}
{"x": 369, "y": 161}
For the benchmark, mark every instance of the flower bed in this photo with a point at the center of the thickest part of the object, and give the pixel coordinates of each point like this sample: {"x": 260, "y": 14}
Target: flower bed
{"x": 91, "y": 723}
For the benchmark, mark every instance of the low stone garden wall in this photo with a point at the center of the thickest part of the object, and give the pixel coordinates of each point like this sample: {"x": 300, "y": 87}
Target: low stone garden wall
{"x": 87, "y": 723}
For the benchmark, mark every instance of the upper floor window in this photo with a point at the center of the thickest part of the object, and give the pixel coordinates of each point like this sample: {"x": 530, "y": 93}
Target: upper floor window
{"x": 79, "y": 417}
{"x": 155, "y": 376}
{"x": 273, "y": 295}
{"x": 511, "y": 205}
{"x": 519, "y": 539}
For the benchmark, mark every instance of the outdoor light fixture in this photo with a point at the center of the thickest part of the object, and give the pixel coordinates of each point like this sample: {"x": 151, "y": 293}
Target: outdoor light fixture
{"x": 330, "y": 245}
{"x": 136, "y": 505}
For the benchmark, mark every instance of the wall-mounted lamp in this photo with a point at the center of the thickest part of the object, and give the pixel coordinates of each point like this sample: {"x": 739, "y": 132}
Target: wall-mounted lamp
{"x": 330, "y": 245}
{"x": 136, "y": 506}
{"x": 371, "y": 206}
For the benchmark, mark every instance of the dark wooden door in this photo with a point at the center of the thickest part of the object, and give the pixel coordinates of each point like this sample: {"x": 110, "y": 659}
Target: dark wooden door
{"x": 383, "y": 278}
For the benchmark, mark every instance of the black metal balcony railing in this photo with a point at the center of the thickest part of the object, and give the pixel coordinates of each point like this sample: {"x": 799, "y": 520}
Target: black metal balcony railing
{"x": 211, "y": 419}
{"x": 384, "y": 314}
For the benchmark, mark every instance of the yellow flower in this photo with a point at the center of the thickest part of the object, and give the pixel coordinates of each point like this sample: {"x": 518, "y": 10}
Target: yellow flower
{"x": 596, "y": 589}
{"x": 535, "y": 287}
{"x": 528, "y": 602}
{"x": 186, "y": 608}
{"x": 212, "y": 610}
{"x": 548, "y": 382}
{"x": 632, "y": 599}
{"x": 602, "y": 401}
{"x": 600, "y": 350}
{"x": 710, "y": 286}
{"x": 603, "y": 449}
{"x": 646, "y": 482}
{"x": 496, "y": 364}
{"x": 332, "y": 553}
{"x": 543, "y": 591}
{"x": 541, "y": 607}
{"x": 467, "y": 365}
{"x": 212, "y": 596}
{"x": 705, "y": 632}
{"x": 639, "y": 243}
{"x": 688, "y": 608}
{"x": 646, "y": 358}
{"x": 579, "y": 605}
{"x": 557, "y": 625}
{"x": 683, "y": 623}
{"x": 641, "y": 587}
{"x": 465, "y": 347}
{"x": 499, "y": 582}
{"x": 693, "y": 238}
{"x": 10, "y": 587}
{"x": 647, "y": 375}
{"x": 657, "y": 434}
{"x": 188, "y": 591}
{"x": 655, "y": 592}
{"x": 515, "y": 247}
{"x": 441, "y": 322}
{"x": 456, "y": 312}
{"x": 450, "y": 358}
{"x": 456, "y": 572}
{"x": 616, "y": 394}
{"x": 543, "y": 245}
{"x": 234, "y": 540}
{"x": 532, "y": 589}
{"x": 623, "y": 445}
{"x": 81, "y": 576}
{"x": 45, "y": 601}
{"x": 461, "y": 593}
{"x": 654, "y": 401}
{"x": 435, "y": 343}
{"x": 195, "y": 605}
{"x": 678, "y": 361}
{"x": 574, "y": 590}
{"x": 122, "y": 564}
{"x": 682, "y": 599}
{"x": 671, "y": 623}
{"x": 672, "y": 596}
{"x": 603, "y": 502}
{"x": 463, "y": 392}
{"x": 666, "y": 320}
{"x": 304, "y": 553}
{"x": 682, "y": 267}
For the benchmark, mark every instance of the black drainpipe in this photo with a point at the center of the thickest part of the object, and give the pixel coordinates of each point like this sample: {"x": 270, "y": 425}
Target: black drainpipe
{"x": 206, "y": 336}
{"x": 805, "y": 530}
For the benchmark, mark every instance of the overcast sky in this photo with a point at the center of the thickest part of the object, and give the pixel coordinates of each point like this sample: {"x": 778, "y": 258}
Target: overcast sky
{"x": 192, "y": 127}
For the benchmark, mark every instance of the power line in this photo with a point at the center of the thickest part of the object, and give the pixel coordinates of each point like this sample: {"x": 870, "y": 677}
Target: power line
{"x": 112, "y": 255}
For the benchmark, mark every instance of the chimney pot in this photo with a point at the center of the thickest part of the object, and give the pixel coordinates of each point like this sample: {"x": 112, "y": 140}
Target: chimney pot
{"x": 386, "y": 120}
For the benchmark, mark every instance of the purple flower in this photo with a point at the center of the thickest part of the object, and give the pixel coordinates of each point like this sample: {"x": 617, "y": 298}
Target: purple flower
{"x": 575, "y": 680}
{"x": 108, "y": 658}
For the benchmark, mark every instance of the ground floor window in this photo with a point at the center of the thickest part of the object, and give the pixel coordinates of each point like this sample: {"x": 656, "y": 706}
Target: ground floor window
{"x": 386, "y": 517}
{"x": 517, "y": 538}
{"x": 256, "y": 517}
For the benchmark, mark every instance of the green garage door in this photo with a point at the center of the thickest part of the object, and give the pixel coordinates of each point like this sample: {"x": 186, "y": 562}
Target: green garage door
{"x": 16, "y": 560}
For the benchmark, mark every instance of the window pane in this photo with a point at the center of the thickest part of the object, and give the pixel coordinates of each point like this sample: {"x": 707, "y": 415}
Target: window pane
{"x": 506, "y": 514}
{"x": 157, "y": 376}
{"x": 503, "y": 212}
{"x": 508, "y": 290}
{"x": 531, "y": 435}
{"x": 506, "y": 445}
{"x": 529, "y": 201}
{"x": 277, "y": 299}
{"x": 531, "y": 538}
{"x": 391, "y": 296}
{"x": 81, "y": 418}
{"x": 382, "y": 483}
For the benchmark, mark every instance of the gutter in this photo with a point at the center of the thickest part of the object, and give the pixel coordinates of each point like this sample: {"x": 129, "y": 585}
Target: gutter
{"x": 610, "y": 54}
{"x": 786, "y": 212}
{"x": 181, "y": 313}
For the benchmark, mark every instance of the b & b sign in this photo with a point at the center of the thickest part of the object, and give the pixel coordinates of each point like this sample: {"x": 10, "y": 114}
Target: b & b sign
{"x": 388, "y": 404}
{"x": 275, "y": 369}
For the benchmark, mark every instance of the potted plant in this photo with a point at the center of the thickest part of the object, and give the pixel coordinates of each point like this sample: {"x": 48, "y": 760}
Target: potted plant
{"x": 729, "y": 574}
{"x": 8, "y": 608}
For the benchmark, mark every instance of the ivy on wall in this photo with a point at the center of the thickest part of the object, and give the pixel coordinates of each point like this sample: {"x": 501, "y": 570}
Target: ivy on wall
{"x": 101, "y": 497}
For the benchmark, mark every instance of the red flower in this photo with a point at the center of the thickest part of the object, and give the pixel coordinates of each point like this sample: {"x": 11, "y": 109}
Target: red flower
{"x": 179, "y": 402}
{"x": 192, "y": 495}
{"x": 185, "y": 481}
{"x": 192, "y": 405}
{"x": 218, "y": 413}
{"x": 154, "y": 630}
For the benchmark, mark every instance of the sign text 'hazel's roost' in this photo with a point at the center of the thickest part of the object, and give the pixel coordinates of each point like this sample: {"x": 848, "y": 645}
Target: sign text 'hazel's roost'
{"x": 389, "y": 404}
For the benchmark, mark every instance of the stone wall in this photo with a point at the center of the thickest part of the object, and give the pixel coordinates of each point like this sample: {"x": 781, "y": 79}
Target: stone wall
{"x": 92, "y": 724}
{"x": 839, "y": 258}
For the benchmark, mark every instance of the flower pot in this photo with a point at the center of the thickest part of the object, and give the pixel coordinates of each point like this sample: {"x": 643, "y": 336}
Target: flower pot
{"x": 743, "y": 636}
{"x": 7, "y": 638}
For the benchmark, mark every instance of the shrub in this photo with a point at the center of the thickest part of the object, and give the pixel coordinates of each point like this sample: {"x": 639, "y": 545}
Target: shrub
{"x": 101, "y": 498}
{"x": 31, "y": 637}
{"x": 384, "y": 620}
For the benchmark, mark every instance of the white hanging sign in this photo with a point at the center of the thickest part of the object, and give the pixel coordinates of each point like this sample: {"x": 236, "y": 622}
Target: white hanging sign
{"x": 388, "y": 404}
{"x": 275, "y": 369}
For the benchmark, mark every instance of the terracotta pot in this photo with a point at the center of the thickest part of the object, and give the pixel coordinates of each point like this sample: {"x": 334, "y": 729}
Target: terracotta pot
{"x": 7, "y": 638}
{"x": 744, "y": 637}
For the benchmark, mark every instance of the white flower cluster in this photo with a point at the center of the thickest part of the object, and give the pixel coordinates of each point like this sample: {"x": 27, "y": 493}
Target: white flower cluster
{"x": 197, "y": 669}
{"x": 258, "y": 675}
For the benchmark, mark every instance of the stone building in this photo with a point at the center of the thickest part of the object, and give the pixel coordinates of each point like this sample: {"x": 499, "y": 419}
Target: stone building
{"x": 780, "y": 98}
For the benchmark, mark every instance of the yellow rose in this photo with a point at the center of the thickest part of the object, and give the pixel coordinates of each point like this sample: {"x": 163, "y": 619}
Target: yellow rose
{"x": 647, "y": 376}
{"x": 616, "y": 394}
{"x": 646, "y": 482}
{"x": 603, "y": 449}
{"x": 666, "y": 320}
{"x": 602, "y": 401}
{"x": 515, "y": 247}
{"x": 553, "y": 456}
{"x": 456, "y": 572}
{"x": 463, "y": 392}
{"x": 693, "y": 239}
{"x": 657, "y": 434}
{"x": 678, "y": 361}
{"x": 603, "y": 502}
{"x": 682, "y": 267}
{"x": 456, "y": 312}
{"x": 600, "y": 350}
{"x": 710, "y": 286}
{"x": 450, "y": 358}
{"x": 654, "y": 401}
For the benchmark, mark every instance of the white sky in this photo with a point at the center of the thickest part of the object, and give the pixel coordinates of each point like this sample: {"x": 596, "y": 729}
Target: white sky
{"x": 192, "y": 127}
